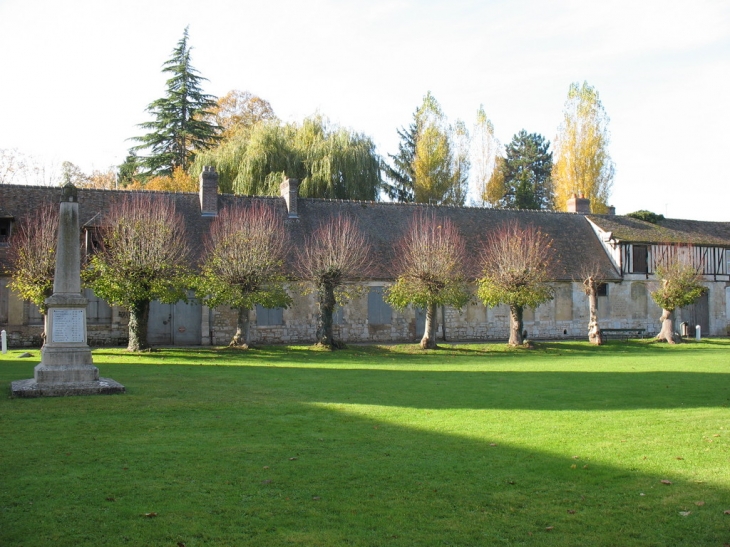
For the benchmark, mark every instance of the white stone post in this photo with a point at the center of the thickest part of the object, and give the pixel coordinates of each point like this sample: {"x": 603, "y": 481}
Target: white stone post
{"x": 4, "y": 341}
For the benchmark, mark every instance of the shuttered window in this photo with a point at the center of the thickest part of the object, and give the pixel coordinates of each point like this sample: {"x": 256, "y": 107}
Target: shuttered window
{"x": 639, "y": 262}
{"x": 379, "y": 311}
{"x": 269, "y": 317}
{"x": 338, "y": 317}
{"x": 97, "y": 310}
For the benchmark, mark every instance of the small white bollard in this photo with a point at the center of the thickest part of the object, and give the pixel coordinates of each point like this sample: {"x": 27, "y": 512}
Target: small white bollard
{"x": 4, "y": 337}
{"x": 698, "y": 333}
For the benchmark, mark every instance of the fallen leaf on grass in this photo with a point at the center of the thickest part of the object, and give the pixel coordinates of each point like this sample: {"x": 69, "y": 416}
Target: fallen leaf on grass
{"x": 111, "y": 498}
{"x": 716, "y": 435}
{"x": 571, "y": 511}
{"x": 573, "y": 466}
{"x": 492, "y": 444}
{"x": 292, "y": 459}
{"x": 549, "y": 528}
{"x": 150, "y": 515}
{"x": 685, "y": 513}
{"x": 266, "y": 466}
{"x": 680, "y": 458}
{"x": 315, "y": 498}
{"x": 180, "y": 544}
{"x": 665, "y": 481}
{"x": 699, "y": 503}
{"x": 726, "y": 512}
{"x": 585, "y": 466}
{"x": 576, "y": 457}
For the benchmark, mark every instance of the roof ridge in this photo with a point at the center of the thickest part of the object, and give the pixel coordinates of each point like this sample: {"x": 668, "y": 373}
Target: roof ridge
{"x": 450, "y": 206}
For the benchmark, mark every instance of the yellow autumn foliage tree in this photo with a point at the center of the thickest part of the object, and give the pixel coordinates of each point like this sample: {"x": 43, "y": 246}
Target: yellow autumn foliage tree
{"x": 582, "y": 162}
{"x": 179, "y": 181}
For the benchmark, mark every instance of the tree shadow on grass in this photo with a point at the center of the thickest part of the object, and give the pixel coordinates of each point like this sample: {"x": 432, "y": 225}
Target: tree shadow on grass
{"x": 241, "y": 472}
{"x": 498, "y": 390}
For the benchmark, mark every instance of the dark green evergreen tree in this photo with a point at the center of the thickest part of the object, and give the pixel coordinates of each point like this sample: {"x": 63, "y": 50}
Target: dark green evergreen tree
{"x": 128, "y": 170}
{"x": 401, "y": 174}
{"x": 525, "y": 173}
{"x": 180, "y": 125}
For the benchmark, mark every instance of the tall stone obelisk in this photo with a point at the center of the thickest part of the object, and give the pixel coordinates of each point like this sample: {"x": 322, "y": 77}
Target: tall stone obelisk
{"x": 66, "y": 366}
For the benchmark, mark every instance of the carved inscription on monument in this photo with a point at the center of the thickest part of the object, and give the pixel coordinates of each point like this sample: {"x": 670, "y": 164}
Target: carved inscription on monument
{"x": 68, "y": 325}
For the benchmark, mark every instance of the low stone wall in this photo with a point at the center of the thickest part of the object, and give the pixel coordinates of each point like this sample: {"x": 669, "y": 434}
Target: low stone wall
{"x": 24, "y": 336}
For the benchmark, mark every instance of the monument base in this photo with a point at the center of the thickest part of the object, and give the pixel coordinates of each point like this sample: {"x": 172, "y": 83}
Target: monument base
{"x": 31, "y": 388}
{"x": 77, "y": 355}
{"x": 63, "y": 374}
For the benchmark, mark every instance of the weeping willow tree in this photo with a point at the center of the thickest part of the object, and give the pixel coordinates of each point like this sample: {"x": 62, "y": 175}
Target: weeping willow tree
{"x": 331, "y": 161}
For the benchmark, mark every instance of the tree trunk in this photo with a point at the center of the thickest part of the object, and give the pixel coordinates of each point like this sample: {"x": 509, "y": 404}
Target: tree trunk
{"x": 242, "y": 338}
{"x": 139, "y": 314}
{"x": 429, "y": 333}
{"x": 667, "y": 332}
{"x": 515, "y": 326}
{"x": 594, "y": 331}
{"x": 443, "y": 322}
{"x": 327, "y": 304}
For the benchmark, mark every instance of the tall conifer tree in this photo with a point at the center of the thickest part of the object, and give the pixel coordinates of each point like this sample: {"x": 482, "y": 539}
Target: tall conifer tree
{"x": 180, "y": 125}
{"x": 522, "y": 179}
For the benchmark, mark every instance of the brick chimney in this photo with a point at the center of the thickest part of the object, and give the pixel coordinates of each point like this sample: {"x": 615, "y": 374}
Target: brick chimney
{"x": 581, "y": 205}
{"x": 290, "y": 192}
{"x": 208, "y": 191}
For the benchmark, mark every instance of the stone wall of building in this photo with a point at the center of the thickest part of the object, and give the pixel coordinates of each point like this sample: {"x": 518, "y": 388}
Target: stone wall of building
{"x": 628, "y": 305}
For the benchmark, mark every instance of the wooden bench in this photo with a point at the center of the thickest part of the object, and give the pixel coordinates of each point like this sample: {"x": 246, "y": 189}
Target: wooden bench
{"x": 624, "y": 334}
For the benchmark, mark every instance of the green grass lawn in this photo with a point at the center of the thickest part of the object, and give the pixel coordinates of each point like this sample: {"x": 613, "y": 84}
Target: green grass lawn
{"x": 472, "y": 445}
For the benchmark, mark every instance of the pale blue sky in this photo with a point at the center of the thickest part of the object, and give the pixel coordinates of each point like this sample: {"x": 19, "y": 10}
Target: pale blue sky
{"x": 78, "y": 74}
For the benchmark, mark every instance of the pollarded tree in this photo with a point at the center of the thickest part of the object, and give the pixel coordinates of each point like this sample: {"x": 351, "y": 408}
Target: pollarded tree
{"x": 592, "y": 279}
{"x": 32, "y": 255}
{"x": 680, "y": 284}
{"x": 244, "y": 263}
{"x": 582, "y": 162}
{"x": 514, "y": 266}
{"x": 430, "y": 265}
{"x": 144, "y": 257}
{"x": 334, "y": 258}
{"x": 180, "y": 127}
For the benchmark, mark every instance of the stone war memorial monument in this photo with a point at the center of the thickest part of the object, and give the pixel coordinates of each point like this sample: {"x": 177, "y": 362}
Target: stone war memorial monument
{"x": 66, "y": 366}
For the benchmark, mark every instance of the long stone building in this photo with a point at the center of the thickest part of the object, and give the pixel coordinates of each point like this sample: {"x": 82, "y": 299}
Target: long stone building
{"x": 624, "y": 249}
